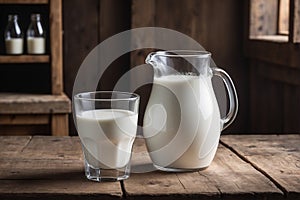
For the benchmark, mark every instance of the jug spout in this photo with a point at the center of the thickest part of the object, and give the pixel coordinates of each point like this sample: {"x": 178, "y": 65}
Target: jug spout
{"x": 159, "y": 64}
{"x": 149, "y": 59}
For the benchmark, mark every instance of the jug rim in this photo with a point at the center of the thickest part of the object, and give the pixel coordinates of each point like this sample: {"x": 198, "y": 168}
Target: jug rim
{"x": 184, "y": 53}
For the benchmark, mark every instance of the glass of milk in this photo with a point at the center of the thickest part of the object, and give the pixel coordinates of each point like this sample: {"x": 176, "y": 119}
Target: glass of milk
{"x": 106, "y": 122}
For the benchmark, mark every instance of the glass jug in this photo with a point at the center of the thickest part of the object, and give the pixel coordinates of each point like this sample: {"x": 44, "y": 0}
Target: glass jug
{"x": 182, "y": 122}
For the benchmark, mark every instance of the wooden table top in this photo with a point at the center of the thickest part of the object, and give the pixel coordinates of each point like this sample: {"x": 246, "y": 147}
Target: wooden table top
{"x": 245, "y": 167}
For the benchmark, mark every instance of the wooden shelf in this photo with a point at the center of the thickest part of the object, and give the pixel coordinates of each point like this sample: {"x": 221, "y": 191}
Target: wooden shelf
{"x": 42, "y": 110}
{"x": 23, "y": 1}
{"x": 24, "y": 59}
{"x": 16, "y": 103}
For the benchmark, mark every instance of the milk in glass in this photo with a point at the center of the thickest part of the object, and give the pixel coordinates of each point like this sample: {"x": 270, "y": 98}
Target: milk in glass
{"x": 36, "y": 45}
{"x": 107, "y": 136}
{"x": 14, "y": 45}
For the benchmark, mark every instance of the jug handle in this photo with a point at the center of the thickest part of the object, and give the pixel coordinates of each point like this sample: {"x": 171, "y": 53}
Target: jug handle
{"x": 232, "y": 95}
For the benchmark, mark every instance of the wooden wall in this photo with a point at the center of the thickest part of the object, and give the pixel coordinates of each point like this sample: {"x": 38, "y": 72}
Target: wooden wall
{"x": 216, "y": 25}
{"x": 86, "y": 24}
{"x": 274, "y": 98}
{"x": 274, "y": 77}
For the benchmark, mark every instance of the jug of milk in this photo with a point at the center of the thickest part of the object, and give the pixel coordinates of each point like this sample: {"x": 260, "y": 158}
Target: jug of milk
{"x": 182, "y": 122}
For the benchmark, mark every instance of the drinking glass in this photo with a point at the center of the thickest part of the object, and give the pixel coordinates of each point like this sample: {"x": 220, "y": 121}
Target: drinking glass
{"x": 106, "y": 122}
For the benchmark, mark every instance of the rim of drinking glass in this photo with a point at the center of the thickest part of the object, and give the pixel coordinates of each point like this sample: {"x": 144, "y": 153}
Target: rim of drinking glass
{"x": 134, "y": 96}
{"x": 184, "y": 53}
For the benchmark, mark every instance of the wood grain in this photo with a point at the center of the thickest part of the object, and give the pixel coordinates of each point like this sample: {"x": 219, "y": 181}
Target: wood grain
{"x": 55, "y": 16}
{"x": 114, "y": 17}
{"x": 48, "y": 168}
{"x": 265, "y": 112}
{"x": 24, "y": 59}
{"x": 11, "y": 103}
{"x": 245, "y": 167}
{"x": 291, "y": 123}
{"x": 278, "y": 73}
{"x": 24, "y": 119}
{"x": 23, "y": 1}
{"x": 277, "y": 156}
{"x": 142, "y": 15}
{"x": 75, "y": 49}
{"x": 22, "y": 130}
{"x": 274, "y": 79}
{"x": 37, "y": 147}
{"x": 277, "y": 53}
{"x": 296, "y": 26}
{"x": 227, "y": 177}
{"x": 283, "y": 18}
{"x": 11, "y": 145}
{"x": 60, "y": 124}
{"x": 263, "y": 18}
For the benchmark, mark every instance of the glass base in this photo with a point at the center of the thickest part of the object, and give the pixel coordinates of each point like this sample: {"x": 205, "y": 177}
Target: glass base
{"x": 171, "y": 169}
{"x": 102, "y": 175}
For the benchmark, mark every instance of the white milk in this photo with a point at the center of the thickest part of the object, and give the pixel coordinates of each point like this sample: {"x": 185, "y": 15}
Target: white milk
{"x": 107, "y": 136}
{"x": 182, "y": 122}
{"x": 36, "y": 45}
{"x": 14, "y": 45}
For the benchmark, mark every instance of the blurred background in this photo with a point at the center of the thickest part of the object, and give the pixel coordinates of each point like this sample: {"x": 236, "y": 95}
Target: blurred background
{"x": 255, "y": 41}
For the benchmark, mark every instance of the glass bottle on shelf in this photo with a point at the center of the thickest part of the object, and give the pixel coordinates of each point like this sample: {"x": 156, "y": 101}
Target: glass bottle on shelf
{"x": 36, "y": 43}
{"x": 13, "y": 36}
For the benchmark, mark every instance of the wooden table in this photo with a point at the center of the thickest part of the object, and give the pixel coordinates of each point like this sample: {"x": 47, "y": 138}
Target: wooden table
{"x": 245, "y": 167}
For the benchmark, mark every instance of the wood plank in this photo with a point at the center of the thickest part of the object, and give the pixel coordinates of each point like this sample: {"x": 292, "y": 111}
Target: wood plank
{"x": 291, "y": 120}
{"x": 34, "y": 168}
{"x": 275, "y": 72}
{"x": 22, "y": 130}
{"x": 86, "y": 26}
{"x": 228, "y": 177}
{"x": 277, "y": 53}
{"x": 114, "y": 17}
{"x": 276, "y": 156}
{"x": 11, "y": 103}
{"x": 24, "y": 119}
{"x": 71, "y": 186}
{"x": 284, "y": 15}
{"x": 148, "y": 185}
{"x": 143, "y": 15}
{"x": 23, "y": 1}
{"x": 53, "y": 147}
{"x": 48, "y": 168}
{"x": 272, "y": 38}
{"x": 296, "y": 28}
{"x": 266, "y": 115}
{"x": 56, "y": 46}
{"x": 38, "y": 156}
{"x": 263, "y": 17}
{"x": 60, "y": 124}
{"x": 12, "y": 145}
{"x": 25, "y": 59}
